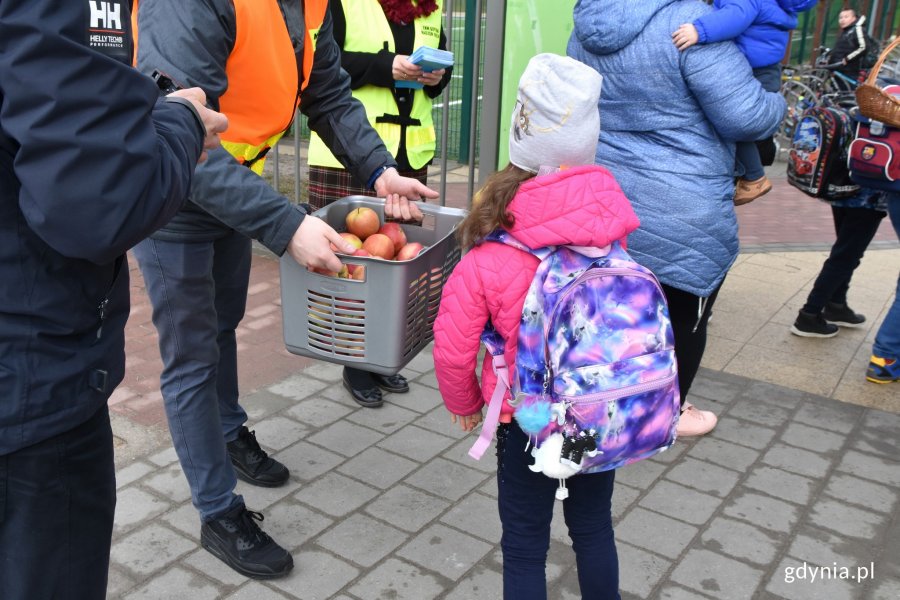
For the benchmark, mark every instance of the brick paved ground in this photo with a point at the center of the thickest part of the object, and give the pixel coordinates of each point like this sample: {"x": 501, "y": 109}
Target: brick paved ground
{"x": 386, "y": 504}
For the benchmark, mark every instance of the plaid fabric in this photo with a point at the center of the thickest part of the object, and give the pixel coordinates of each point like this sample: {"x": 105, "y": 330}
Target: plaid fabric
{"x": 327, "y": 184}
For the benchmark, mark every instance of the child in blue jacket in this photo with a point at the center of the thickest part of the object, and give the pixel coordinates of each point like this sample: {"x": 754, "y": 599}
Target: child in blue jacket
{"x": 760, "y": 28}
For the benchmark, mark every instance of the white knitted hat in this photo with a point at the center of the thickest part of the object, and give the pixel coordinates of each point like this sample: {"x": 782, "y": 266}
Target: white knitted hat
{"x": 556, "y": 121}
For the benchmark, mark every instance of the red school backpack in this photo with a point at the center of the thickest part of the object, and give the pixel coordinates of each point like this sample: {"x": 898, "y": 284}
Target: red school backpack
{"x": 874, "y": 160}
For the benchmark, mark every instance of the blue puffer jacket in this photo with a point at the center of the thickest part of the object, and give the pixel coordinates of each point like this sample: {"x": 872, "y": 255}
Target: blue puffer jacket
{"x": 759, "y": 27}
{"x": 669, "y": 121}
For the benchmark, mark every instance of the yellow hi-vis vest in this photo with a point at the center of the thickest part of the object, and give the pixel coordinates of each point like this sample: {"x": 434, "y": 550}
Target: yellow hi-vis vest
{"x": 368, "y": 30}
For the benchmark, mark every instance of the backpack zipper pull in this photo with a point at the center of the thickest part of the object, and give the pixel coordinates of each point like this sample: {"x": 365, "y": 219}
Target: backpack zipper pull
{"x": 102, "y": 308}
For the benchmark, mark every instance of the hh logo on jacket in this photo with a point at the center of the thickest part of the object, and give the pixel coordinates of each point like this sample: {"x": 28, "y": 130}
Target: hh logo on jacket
{"x": 109, "y": 28}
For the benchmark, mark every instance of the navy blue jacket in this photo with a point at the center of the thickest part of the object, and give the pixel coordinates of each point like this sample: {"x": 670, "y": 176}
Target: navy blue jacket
{"x": 90, "y": 163}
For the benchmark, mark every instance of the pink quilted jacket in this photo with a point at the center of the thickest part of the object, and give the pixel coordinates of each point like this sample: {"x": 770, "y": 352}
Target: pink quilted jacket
{"x": 582, "y": 206}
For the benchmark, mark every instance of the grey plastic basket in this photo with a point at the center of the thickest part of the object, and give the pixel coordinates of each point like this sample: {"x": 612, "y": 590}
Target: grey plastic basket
{"x": 381, "y": 323}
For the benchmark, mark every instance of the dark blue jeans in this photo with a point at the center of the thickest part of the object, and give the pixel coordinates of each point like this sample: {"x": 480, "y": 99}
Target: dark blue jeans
{"x": 855, "y": 228}
{"x": 57, "y": 500}
{"x": 887, "y": 340}
{"x": 526, "y": 502}
{"x": 747, "y": 161}
{"x": 199, "y": 293}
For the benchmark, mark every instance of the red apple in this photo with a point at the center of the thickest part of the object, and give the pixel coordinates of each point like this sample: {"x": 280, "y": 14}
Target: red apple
{"x": 379, "y": 245}
{"x": 395, "y": 232}
{"x": 410, "y": 250}
{"x": 362, "y": 222}
{"x": 349, "y": 238}
{"x": 354, "y": 268}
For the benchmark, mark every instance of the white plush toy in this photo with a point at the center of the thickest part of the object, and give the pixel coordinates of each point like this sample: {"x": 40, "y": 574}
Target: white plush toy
{"x": 546, "y": 461}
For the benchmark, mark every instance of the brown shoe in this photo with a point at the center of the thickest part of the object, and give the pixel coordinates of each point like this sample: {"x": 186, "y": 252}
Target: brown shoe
{"x": 748, "y": 191}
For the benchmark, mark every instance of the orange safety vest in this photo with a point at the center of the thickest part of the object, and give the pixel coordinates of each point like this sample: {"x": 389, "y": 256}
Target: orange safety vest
{"x": 263, "y": 92}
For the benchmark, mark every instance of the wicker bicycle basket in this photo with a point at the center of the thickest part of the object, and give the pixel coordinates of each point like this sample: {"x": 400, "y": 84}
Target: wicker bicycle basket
{"x": 873, "y": 102}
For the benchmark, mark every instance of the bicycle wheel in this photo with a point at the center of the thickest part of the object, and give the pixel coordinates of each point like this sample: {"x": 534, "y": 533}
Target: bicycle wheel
{"x": 799, "y": 97}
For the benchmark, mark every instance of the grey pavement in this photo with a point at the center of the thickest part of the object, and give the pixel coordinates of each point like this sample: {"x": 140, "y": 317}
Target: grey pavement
{"x": 800, "y": 479}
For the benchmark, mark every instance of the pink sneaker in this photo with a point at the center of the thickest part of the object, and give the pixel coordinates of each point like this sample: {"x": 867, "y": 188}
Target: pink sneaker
{"x": 694, "y": 422}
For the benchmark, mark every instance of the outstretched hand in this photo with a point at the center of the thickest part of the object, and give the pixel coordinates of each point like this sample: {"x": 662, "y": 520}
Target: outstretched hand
{"x": 398, "y": 191}
{"x": 685, "y": 36}
{"x": 214, "y": 122}
{"x": 311, "y": 245}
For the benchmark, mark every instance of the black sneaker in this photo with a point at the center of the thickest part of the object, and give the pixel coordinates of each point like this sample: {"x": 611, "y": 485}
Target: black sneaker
{"x": 252, "y": 464}
{"x": 842, "y": 315}
{"x": 237, "y": 540}
{"x": 813, "y": 325}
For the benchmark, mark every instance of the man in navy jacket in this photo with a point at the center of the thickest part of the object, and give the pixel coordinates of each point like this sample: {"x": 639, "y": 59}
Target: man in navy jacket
{"x": 91, "y": 162}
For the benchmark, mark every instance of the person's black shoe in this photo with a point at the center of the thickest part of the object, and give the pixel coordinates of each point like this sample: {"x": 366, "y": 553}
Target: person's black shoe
{"x": 813, "y": 325}
{"x": 367, "y": 398}
{"x": 842, "y": 315}
{"x": 252, "y": 464}
{"x": 237, "y": 540}
{"x": 396, "y": 384}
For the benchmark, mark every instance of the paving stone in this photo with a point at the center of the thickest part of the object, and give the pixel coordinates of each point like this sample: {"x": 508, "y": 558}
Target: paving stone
{"x": 768, "y": 393}
{"x": 397, "y": 580}
{"x": 673, "y": 592}
{"x": 704, "y": 477}
{"x": 622, "y": 499}
{"x": 862, "y": 493}
{"x": 717, "y": 575}
{"x": 378, "y": 468}
{"x": 407, "y": 508}
{"x": 387, "y": 419}
{"x": 298, "y": 387}
{"x": 336, "y": 495}
{"x": 760, "y": 413}
{"x": 169, "y": 482}
{"x": 308, "y": 461}
{"x": 277, "y": 433}
{"x": 481, "y": 582}
{"x": 325, "y": 371}
{"x": 292, "y": 524}
{"x": 444, "y": 550}
{"x": 871, "y": 467}
{"x": 460, "y": 453}
{"x": 720, "y": 452}
{"x": 185, "y": 518}
{"x": 833, "y": 416}
{"x": 671, "y": 454}
{"x": 812, "y": 438}
{"x": 639, "y": 570}
{"x": 131, "y": 473}
{"x": 346, "y": 438}
{"x": 874, "y": 441}
{"x": 846, "y": 520}
{"x": 762, "y": 511}
{"x": 319, "y": 576}
{"x": 165, "y": 457}
{"x": 317, "y": 411}
{"x": 886, "y": 589}
{"x": 489, "y": 488}
{"x": 149, "y": 549}
{"x": 796, "y": 460}
{"x": 438, "y": 420}
{"x": 263, "y": 404}
{"x": 680, "y": 502}
{"x": 416, "y": 443}
{"x": 460, "y": 515}
{"x": 641, "y": 474}
{"x": 256, "y": 591}
{"x": 818, "y": 546}
{"x": 261, "y": 498}
{"x": 420, "y": 399}
{"x": 174, "y": 584}
{"x": 428, "y": 379}
{"x": 446, "y": 479}
{"x": 787, "y": 583}
{"x": 742, "y": 541}
{"x": 362, "y": 539}
{"x": 714, "y": 388}
{"x": 743, "y": 433}
{"x": 781, "y": 484}
{"x": 655, "y": 532}
{"x": 422, "y": 362}
{"x": 118, "y": 582}
{"x": 215, "y": 569}
{"x": 134, "y": 506}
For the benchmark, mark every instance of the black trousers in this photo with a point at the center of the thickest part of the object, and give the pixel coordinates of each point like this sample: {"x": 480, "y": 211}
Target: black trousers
{"x": 57, "y": 500}
{"x": 855, "y": 228}
{"x": 689, "y": 315}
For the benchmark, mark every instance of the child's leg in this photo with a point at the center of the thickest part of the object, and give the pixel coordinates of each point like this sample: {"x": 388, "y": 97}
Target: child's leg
{"x": 747, "y": 160}
{"x": 588, "y": 511}
{"x": 525, "y": 500}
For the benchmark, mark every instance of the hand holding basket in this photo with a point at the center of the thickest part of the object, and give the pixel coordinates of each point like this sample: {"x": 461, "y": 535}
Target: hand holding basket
{"x": 874, "y": 102}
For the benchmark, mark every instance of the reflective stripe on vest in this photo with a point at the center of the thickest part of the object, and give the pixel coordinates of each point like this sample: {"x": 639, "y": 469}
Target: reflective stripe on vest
{"x": 368, "y": 30}
{"x": 262, "y": 95}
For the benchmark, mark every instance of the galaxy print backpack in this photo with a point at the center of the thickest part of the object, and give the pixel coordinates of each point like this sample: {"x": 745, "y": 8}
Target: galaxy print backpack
{"x": 595, "y": 384}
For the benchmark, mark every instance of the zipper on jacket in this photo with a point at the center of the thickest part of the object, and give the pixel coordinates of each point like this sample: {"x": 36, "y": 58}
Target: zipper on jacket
{"x": 631, "y": 390}
{"x": 105, "y": 302}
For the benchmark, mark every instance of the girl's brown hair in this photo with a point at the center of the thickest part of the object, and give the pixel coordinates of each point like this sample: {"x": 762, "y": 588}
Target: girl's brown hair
{"x": 489, "y": 208}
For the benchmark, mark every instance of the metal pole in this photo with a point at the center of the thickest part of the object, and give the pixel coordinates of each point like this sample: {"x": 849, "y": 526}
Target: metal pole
{"x": 445, "y": 108}
{"x": 470, "y": 57}
{"x": 492, "y": 91}
{"x": 476, "y": 63}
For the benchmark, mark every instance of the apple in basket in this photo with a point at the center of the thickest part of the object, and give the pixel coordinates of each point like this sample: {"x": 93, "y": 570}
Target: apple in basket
{"x": 395, "y": 232}
{"x": 379, "y": 245}
{"x": 362, "y": 222}
{"x": 353, "y": 240}
{"x": 410, "y": 250}
{"x": 358, "y": 271}
{"x": 344, "y": 273}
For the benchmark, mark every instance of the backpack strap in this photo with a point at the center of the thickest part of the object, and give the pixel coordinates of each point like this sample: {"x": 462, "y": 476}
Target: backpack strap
{"x": 495, "y": 345}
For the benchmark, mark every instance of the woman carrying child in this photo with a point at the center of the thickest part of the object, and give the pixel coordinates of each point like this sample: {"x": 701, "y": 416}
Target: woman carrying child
{"x": 555, "y": 128}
